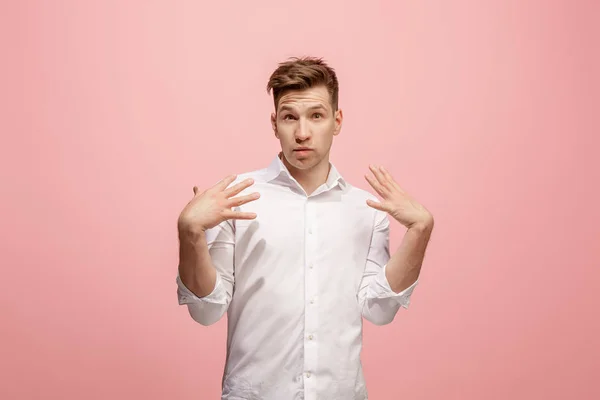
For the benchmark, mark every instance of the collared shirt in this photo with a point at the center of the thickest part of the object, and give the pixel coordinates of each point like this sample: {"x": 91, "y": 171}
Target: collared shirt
{"x": 296, "y": 283}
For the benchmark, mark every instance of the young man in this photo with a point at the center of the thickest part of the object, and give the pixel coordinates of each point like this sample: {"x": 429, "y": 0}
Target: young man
{"x": 297, "y": 256}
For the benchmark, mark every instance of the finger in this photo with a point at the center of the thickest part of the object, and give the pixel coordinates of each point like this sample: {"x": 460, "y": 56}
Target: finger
{"x": 195, "y": 190}
{"x": 386, "y": 174}
{"x": 239, "y": 215}
{"x": 376, "y": 205}
{"x": 238, "y": 201}
{"x": 391, "y": 180}
{"x": 379, "y": 176}
{"x": 236, "y": 189}
{"x": 375, "y": 185}
{"x": 222, "y": 185}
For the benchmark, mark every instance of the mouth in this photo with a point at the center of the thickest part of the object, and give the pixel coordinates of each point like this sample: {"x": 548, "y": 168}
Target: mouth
{"x": 302, "y": 149}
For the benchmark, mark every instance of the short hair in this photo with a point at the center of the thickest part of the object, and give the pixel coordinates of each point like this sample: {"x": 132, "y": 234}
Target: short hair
{"x": 303, "y": 73}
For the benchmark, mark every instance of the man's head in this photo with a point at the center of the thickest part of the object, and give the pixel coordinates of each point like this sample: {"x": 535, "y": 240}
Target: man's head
{"x": 305, "y": 92}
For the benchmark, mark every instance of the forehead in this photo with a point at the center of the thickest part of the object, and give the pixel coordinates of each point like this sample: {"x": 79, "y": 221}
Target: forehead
{"x": 311, "y": 97}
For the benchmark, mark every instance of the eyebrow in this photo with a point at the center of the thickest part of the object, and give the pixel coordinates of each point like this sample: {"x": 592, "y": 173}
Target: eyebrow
{"x": 312, "y": 108}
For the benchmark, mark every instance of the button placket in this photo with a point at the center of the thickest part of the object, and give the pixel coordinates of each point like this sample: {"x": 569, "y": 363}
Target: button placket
{"x": 311, "y": 288}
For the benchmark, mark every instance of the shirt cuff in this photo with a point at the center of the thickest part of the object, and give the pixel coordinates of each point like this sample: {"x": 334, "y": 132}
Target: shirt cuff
{"x": 186, "y": 296}
{"x": 381, "y": 289}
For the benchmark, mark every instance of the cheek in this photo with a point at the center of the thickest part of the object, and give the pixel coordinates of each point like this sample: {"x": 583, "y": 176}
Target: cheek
{"x": 285, "y": 134}
{"x": 325, "y": 132}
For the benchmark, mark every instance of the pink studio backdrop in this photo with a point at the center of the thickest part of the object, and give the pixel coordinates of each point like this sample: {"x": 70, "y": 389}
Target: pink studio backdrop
{"x": 486, "y": 111}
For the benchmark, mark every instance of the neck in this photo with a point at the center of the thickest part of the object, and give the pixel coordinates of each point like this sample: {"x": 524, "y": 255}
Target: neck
{"x": 310, "y": 179}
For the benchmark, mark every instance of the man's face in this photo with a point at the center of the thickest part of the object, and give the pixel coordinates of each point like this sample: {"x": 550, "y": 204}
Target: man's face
{"x": 305, "y": 125}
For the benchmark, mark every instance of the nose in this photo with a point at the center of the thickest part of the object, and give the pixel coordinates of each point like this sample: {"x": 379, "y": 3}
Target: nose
{"x": 302, "y": 131}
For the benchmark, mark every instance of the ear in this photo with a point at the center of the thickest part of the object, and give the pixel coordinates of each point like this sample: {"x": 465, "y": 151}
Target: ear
{"x": 274, "y": 124}
{"x": 339, "y": 118}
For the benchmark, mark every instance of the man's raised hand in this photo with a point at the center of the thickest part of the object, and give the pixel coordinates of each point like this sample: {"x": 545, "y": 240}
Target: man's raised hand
{"x": 213, "y": 206}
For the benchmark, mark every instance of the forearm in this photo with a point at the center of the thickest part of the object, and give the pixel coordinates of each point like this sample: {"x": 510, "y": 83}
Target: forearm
{"x": 404, "y": 266}
{"x": 196, "y": 269}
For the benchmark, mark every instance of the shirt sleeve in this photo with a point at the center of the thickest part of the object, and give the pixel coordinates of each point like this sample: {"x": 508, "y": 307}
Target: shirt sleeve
{"x": 209, "y": 309}
{"x": 379, "y": 303}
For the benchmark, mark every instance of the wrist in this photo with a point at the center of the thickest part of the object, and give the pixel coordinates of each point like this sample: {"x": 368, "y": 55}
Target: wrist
{"x": 422, "y": 226}
{"x": 191, "y": 233}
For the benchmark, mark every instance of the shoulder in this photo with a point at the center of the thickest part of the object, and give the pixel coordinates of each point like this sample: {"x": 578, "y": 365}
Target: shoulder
{"x": 359, "y": 198}
{"x": 358, "y": 194}
{"x": 259, "y": 176}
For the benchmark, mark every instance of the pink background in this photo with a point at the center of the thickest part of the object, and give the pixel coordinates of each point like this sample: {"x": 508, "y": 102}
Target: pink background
{"x": 486, "y": 111}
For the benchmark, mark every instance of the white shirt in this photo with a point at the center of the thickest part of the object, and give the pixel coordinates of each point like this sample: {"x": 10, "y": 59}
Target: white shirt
{"x": 296, "y": 283}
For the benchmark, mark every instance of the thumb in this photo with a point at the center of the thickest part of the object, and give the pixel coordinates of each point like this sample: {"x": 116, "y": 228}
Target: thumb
{"x": 376, "y": 205}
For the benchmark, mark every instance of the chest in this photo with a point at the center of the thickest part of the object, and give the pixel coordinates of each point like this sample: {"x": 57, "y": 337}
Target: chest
{"x": 291, "y": 230}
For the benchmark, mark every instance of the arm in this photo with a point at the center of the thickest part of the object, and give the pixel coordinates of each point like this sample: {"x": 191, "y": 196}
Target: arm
{"x": 206, "y": 280}
{"x": 379, "y": 303}
{"x": 398, "y": 277}
{"x": 404, "y": 267}
{"x": 196, "y": 269}
{"x": 206, "y": 249}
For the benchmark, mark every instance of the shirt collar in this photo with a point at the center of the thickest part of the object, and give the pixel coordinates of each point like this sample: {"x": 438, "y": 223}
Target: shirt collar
{"x": 278, "y": 170}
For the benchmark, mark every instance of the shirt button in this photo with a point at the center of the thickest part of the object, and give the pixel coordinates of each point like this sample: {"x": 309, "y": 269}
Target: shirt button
{"x": 310, "y": 231}
{"x": 312, "y": 301}
{"x": 310, "y": 337}
{"x": 308, "y": 374}
{"x": 311, "y": 266}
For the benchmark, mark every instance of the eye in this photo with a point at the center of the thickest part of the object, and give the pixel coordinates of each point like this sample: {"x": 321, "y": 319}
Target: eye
{"x": 288, "y": 117}
{"x": 317, "y": 115}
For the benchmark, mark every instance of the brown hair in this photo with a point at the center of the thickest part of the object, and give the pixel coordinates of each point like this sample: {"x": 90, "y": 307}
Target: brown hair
{"x": 303, "y": 73}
